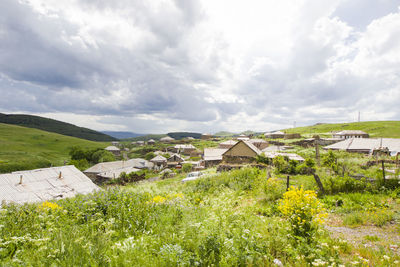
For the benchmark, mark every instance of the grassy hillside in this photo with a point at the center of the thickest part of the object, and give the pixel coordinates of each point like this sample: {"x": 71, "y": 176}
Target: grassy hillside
{"x": 54, "y": 126}
{"x": 27, "y": 148}
{"x": 389, "y": 129}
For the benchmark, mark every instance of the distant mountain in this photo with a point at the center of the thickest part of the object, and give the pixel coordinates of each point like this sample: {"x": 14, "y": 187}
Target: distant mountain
{"x": 146, "y": 137}
{"x": 181, "y": 135}
{"x": 224, "y": 134}
{"x": 54, "y": 126}
{"x": 122, "y": 135}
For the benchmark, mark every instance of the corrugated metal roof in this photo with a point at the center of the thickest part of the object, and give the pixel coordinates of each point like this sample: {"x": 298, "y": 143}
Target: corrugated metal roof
{"x": 112, "y": 148}
{"x": 291, "y": 156}
{"x": 117, "y": 172}
{"x": 190, "y": 146}
{"x": 44, "y": 184}
{"x": 158, "y": 158}
{"x": 229, "y": 142}
{"x": 367, "y": 144}
{"x": 113, "y": 165}
{"x": 214, "y": 153}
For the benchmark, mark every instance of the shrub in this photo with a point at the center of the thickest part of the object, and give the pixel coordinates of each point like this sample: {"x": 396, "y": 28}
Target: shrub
{"x": 187, "y": 167}
{"x": 149, "y": 156}
{"x": 81, "y": 164}
{"x": 303, "y": 210}
{"x": 273, "y": 189}
{"x": 337, "y": 184}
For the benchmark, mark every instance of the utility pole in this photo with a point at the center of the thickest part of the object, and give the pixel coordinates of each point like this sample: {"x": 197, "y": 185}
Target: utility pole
{"x": 359, "y": 116}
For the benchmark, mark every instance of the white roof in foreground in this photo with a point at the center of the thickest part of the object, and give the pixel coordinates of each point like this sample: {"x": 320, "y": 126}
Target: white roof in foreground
{"x": 393, "y": 144}
{"x": 44, "y": 184}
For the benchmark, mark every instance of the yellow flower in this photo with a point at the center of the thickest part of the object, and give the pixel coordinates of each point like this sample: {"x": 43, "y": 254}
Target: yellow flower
{"x": 49, "y": 206}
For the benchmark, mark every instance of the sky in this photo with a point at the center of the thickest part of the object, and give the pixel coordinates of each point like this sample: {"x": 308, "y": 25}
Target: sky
{"x": 200, "y": 65}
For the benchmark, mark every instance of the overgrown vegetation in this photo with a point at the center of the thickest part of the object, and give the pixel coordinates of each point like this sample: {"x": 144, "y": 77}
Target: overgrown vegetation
{"x": 224, "y": 220}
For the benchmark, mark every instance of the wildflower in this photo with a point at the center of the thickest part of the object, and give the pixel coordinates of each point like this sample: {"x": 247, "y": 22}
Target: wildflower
{"x": 318, "y": 262}
{"x": 49, "y": 206}
{"x": 278, "y": 262}
{"x": 386, "y": 257}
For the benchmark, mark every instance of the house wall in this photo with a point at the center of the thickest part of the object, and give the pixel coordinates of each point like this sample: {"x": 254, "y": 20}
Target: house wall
{"x": 240, "y": 150}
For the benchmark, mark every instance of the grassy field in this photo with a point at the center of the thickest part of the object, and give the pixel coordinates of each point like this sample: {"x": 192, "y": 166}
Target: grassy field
{"x": 54, "y": 126}
{"x": 236, "y": 218}
{"x": 27, "y": 148}
{"x": 388, "y": 129}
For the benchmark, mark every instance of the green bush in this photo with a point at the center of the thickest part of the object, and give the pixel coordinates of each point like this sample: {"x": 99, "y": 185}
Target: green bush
{"x": 187, "y": 167}
{"x": 149, "y": 155}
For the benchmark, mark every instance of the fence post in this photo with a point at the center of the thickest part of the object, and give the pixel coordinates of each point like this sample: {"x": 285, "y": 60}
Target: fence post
{"x": 318, "y": 181}
{"x": 317, "y": 153}
{"x": 287, "y": 182}
{"x": 383, "y": 171}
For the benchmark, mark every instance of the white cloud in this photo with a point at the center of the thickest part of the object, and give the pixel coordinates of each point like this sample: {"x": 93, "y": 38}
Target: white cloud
{"x": 207, "y": 65}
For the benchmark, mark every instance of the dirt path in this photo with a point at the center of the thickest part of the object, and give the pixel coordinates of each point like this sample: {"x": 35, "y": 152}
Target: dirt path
{"x": 368, "y": 236}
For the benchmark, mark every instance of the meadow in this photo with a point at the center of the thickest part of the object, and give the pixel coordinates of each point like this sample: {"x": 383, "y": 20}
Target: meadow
{"x": 387, "y": 129}
{"x": 235, "y": 218}
{"x": 26, "y": 148}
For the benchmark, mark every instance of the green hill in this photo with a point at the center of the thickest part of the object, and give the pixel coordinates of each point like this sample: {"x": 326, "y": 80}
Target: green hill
{"x": 54, "y": 126}
{"x": 24, "y": 148}
{"x": 388, "y": 129}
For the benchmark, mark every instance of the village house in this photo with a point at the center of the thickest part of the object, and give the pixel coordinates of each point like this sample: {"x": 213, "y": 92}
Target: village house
{"x": 44, "y": 184}
{"x": 206, "y": 136}
{"x": 259, "y": 143}
{"x": 167, "y": 139}
{"x": 243, "y": 137}
{"x": 184, "y": 149}
{"x": 113, "y": 149}
{"x": 227, "y": 144}
{"x": 115, "y": 143}
{"x": 103, "y": 170}
{"x": 174, "y": 161}
{"x": 213, "y": 156}
{"x": 241, "y": 152}
{"x": 292, "y": 136}
{"x": 151, "y": 142}
{"x": 275, "y": 135}
{"x": 159, "y": 162}
{"x": 346, "y": 134}
{"x": 367, "y": 145}
{"x": 290, "y": 156}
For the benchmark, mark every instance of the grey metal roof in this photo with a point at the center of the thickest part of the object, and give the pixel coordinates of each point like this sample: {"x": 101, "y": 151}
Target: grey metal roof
{"x": 117, "y": 172}
{"x": 158, "y": 158}
{"x": 367, "y": 144}
{"x": 112, "y": 148}
{"x": 229, "y": 142}
{"x": 189, "y": 146}
{"x": 114, "y": 165}
{"x": 350, "y": 132}
{"x": 44, "y": 184}
{"x": 291, "y": 156}
{"x": 213, "y": 153}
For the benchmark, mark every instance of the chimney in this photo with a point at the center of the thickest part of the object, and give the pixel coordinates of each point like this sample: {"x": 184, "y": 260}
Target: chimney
{"x": 20, "y": 179}
{"x": 60, "y": 176}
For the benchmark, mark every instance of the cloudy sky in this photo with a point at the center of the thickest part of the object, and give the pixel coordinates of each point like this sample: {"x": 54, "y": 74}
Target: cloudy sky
{"x": 200, "y": 65}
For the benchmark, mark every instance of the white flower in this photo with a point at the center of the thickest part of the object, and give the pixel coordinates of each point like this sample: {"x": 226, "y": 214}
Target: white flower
{"x": 278, "y": 262}
{"x": 386, "y": 257}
